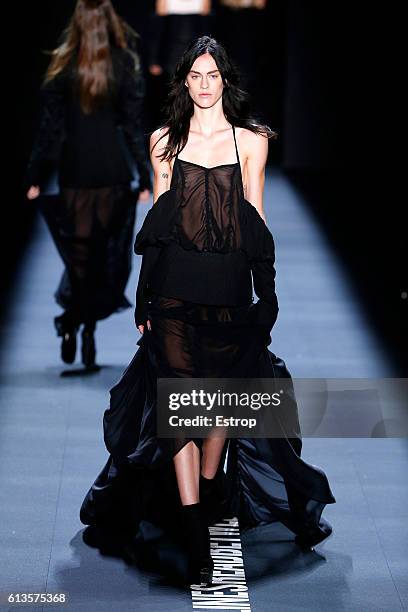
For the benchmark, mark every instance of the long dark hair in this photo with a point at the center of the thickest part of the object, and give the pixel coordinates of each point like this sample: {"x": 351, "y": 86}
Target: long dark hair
{"x": 179, "y": 107}
{"x": 92, "y": 29}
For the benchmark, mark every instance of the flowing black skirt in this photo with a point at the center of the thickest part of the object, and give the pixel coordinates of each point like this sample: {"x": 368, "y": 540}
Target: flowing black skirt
{"x": 266, "y": 478}
{"x": 93, "y": 232}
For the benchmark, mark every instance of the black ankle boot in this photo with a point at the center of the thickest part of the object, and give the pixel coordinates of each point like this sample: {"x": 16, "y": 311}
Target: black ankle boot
{"x": 68, "y": 330}
{"x": 88, "y": 349}
{"x": 197, "y": 537}
{"x": 312, "y": 535}
{"x": 213, "y": 498}
{"x": 68, "y": 347}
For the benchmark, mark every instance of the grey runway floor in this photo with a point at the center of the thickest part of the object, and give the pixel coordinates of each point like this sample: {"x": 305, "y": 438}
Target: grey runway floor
{"x": 51, "y": 447}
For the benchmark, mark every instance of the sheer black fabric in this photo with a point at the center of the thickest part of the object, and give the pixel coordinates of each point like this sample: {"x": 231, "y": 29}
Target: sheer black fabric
{"x": 208, "y": 216}
{"x": 93, "y": 232}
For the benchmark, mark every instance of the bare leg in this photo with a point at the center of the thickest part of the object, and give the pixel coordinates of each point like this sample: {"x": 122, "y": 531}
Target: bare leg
{"x": 187, "y": 466}
{"x": 212, "y": 449}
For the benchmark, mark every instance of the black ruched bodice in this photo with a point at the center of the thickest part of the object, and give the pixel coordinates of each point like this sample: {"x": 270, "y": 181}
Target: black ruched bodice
{"x": 201, "y": 240}
{"x": 208, "y": 215}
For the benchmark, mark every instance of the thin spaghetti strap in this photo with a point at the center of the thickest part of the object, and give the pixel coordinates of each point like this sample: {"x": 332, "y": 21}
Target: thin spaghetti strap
{"x": 241, "y": 178}
{"x": 175, "y": 159}
{"x": 235, "y": 141}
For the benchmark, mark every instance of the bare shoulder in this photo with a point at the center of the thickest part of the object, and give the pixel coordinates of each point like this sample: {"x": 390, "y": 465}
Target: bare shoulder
{"x": 158, "y": 141}
{"x": 251, "y": 143}
{"x": 158, "y": 138}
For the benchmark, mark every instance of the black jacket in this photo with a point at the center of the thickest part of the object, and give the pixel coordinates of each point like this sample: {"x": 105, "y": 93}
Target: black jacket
{"x": 92, "y": 150}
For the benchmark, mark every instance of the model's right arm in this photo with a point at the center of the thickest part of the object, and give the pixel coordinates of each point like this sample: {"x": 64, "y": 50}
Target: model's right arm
{"x": 161, "y": 169}
{"x": 131, "y": 94}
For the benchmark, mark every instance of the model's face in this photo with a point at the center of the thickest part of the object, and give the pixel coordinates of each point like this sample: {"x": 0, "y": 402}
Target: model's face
{"x": 204, "y": 81}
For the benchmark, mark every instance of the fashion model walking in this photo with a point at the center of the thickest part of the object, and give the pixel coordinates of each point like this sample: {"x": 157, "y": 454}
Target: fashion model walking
{"x": 203, "y": 242}
{"x": 91, "y": 103}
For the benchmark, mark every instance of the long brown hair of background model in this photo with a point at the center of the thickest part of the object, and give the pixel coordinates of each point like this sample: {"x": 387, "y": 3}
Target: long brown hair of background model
{"x": 92, "y": 29}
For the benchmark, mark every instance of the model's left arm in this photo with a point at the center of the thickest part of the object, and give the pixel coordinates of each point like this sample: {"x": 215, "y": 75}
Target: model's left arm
{"x": 131, "y": 96}
{"x": 263, "y": 261}
{"x": 256, "y": 154}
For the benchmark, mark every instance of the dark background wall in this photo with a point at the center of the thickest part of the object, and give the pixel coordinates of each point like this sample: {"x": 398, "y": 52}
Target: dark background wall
{"x": 336, "y": 151}
{"x": 315, "y": 71}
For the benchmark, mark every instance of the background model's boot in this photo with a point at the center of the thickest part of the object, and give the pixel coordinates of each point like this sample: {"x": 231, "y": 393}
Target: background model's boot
{"x": 197, "y": 537}
{"x": 67, "y": 329}
{"x": 88, "y": 349}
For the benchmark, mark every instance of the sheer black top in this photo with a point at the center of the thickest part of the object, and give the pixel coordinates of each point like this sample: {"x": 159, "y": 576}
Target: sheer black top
{"x": 201, "y": 240}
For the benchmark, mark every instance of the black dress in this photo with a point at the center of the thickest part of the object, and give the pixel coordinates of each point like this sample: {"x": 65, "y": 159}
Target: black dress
{"x": 92, "y": 218}
{"x": 201, "y": 242}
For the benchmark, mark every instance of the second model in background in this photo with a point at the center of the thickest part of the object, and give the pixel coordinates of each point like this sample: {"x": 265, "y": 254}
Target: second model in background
{"x": 92, "y": 98}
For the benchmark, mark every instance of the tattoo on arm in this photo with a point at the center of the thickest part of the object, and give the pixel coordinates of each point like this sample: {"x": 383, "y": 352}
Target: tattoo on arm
{"x": 165, "y": 175}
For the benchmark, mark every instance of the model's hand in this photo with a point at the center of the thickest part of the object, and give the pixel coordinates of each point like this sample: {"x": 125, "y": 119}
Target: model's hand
{"x": 155, "y": 69}
{"x": 33, "y": 192}
{"x": 162, "y": 8}
{"x": 144, "y": 195}
{"x": 141, "y": 327}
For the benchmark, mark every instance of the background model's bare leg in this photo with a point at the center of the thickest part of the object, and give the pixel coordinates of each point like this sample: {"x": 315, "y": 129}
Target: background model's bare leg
{"x": 187, "y": 466}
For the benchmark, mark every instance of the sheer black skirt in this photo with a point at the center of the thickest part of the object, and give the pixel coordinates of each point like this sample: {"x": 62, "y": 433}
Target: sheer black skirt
{"x": 93, "y": 232}
{"x": 266, "y": 478}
